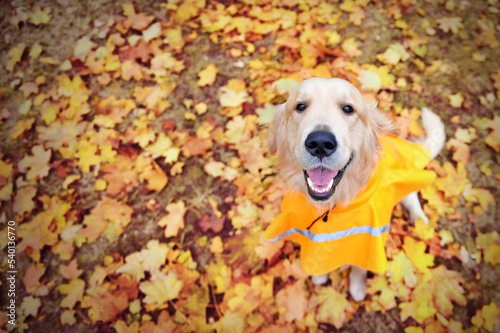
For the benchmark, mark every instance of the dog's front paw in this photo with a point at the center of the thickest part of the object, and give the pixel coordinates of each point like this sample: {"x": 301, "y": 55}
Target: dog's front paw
{"x": 319, "y": 280}
{"x": 357, "y": 289}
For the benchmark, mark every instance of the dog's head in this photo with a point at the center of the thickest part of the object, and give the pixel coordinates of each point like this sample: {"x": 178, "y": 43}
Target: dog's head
{"x": 326, "y": 139}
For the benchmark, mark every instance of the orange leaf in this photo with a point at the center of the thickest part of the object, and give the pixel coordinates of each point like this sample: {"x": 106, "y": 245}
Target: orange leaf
{"x": 31, "y": 280}
{"x": 156, "y": 177}
{"x": 70, "y": 271}
{"x": 36, "y": 166}
{"x": 194, "y": 146}
{"x": 174, "y": 220}
{"x": 461, "y": 151}
{"x": 23, "y": 201}
{"x": 208, "y": 76}
{"x": 292, "y": 302}
{"x": 59, "y": 133}
{"x": 106, "y": 304}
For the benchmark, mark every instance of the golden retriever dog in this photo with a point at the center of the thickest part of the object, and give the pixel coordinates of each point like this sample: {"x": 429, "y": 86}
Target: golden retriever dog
{"x": 327, "y": 139}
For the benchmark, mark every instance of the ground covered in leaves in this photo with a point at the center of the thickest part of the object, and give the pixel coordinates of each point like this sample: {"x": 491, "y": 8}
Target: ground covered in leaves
{"x": 135, "y": 168}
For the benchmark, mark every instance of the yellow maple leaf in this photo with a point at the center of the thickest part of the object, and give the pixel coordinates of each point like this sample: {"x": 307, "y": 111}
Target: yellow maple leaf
{"x": 231, "y": 322}
{"x": 133, "y": 267}
{"x": 334, "y": 306}
{"x": 220, "y": 275}
{"x": 231, "y": 98}
{"x": 35, "y": 51}
{"x": 40, "y": 15}
{"x": 162, "y": 288}
{"x": 489, "y": 243}
{"x": 21, "y": 126}
{"x": 375, "y": 78}
{"x": 424, "y": 231}
{"x": 466, "y": 135}
{"x": 73, "y": 291}
{"x": 479, "y": 195}
{"x": 208, "y": 76}
{"x": 174, "y": 220}
{"x": 454, "y": 183}
{"x": 87, "y": 156}
{"x": 487, "y": 317}
{"x": 216, "y": 246}
{"x": 394, "y": 54}
{"x": 350, "y": 46}
{"x": 401, "y": 269}
{"x": 15, "y": 55}
{"x": 415, "y": 250}
{"x": 243, "y": 214}
{"x": 456, "y": 100}
{"x": 446, "y": 288}
{"x": 493, "y": 139}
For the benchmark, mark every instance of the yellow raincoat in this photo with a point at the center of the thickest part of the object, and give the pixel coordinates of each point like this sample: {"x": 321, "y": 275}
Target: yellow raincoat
{"x": 354, "y": 235}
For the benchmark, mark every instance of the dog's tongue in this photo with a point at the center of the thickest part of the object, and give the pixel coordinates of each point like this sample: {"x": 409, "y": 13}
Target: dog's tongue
{"x": 321, "y": 176}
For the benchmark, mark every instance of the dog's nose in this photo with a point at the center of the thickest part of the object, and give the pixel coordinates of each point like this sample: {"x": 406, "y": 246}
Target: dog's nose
{"x": 321, "y": 143}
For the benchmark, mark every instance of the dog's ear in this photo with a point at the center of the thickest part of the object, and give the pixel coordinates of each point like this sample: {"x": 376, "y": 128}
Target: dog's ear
{"x": 276, "y": 130}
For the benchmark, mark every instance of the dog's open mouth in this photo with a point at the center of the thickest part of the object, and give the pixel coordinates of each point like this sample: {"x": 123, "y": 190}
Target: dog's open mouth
{"x": 322, "y": 182}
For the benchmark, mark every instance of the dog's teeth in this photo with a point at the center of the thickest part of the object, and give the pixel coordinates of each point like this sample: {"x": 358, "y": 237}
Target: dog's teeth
{"x": 330, "y": 184}
{"x": 310, "y": 183}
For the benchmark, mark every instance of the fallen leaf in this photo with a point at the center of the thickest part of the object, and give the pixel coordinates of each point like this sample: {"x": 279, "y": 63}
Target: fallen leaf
{"x": 333, "y": 307}
{"x": 292, "y": 302}
{"x": 36, "y": 166}
{"x": 161, "y": 289}
{"x": 461, "y": 151}
{"x": 447, "y": 24}
{"x": 174, "y": 220}
{"x": 487, "y": 317}
{"x": 489, "y": 243}
{"x": 30, "y": 306}
{"x": 401, "y": 269}
{"x": 208, "y": 76}
{"x": 70, "y": 271}
{"x": 23, "y": 201}
{"x": 68, "y": 317}
{"x": 40, "y": 15}
{"x": 456, "y": 100}
{"x": 415, "y": 250}
{"x": 73, "y": 291}
{"x": 15, "y": 55}
{"x": 211, "y": 222}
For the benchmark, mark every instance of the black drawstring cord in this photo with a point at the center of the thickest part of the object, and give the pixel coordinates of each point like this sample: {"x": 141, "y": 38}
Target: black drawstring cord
{"x": 325, "y": 218}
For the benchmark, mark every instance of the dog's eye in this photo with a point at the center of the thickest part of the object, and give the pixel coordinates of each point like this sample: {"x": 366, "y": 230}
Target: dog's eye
{"x": 300, "y": 107}
{"x": 348, "y": 109}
